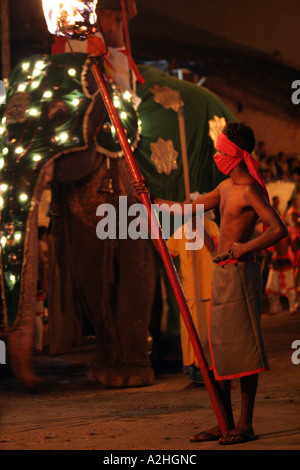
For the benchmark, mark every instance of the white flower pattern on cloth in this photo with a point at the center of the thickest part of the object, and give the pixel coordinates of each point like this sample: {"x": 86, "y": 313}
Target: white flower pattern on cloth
{"x": 216, "y": 125}
{"x": 164, "y": 156}
{"x": 167, "y": 97}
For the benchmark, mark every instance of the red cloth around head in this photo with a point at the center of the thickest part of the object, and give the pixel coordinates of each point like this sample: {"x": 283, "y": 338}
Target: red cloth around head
{"x": 232, "y": 155}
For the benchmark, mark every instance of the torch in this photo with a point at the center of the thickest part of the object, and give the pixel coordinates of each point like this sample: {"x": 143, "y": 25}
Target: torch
{"x": 77, "y": 20}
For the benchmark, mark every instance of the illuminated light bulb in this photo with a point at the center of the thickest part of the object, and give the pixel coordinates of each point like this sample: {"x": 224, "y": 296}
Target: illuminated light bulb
{"x": 123, "y": 115}
{"x": 113, "y": 130}
{"x": 33, "y": 112}
{"x": 18, "y": 236}
{"x": 2, "y": 99}
{"x": 76, "y": 102}
{"x": 2, "y": 130}
{"x": 127, "y": 95}
{"x": 72, "y": 72}
{"x": 63, "y": 137}
{"x": 25, "y": 66}
{"x": 36, "y": 158}
{"x": 3, "y": 241}
{"x": 22, "y": 87}
{"x": 3, "y": 187}
{"x": 19, "y": 150}
{"x": 3, "y": 120}
{"x": 5, "y": 151}
{"x": 35, "y": 84}
{"x": 23, "y": 197}
{"x": 117, "y": 103}
{"x": 12, "y": 277}
{"x": 140, "y": 122}
{"x": 39, "y": 64}
{"x": 36, "y": 72}
{"x": 47, "y": 94}
{"x": 1, "y": 163}
{"x": 1, "y": 202}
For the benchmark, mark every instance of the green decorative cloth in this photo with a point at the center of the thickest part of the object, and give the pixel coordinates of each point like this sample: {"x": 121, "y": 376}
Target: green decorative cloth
{"x": 52, "y": 108}
{"x": 161, "y": 122}
{"x": 162, "y": 164}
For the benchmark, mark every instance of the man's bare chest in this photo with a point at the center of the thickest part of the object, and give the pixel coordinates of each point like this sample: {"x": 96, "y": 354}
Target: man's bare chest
{"x": 232, "y": 203}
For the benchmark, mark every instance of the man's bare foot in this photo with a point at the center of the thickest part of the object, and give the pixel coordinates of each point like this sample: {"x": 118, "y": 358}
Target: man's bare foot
{"x": 213, "y": 434}
{"x": 237, "y": 436}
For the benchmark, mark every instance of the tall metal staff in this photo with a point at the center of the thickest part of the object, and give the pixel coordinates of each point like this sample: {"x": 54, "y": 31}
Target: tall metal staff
{"x": 72, "y": 18}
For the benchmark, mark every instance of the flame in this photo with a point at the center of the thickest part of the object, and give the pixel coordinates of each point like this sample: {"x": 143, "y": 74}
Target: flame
{"x": 71, "y": 18}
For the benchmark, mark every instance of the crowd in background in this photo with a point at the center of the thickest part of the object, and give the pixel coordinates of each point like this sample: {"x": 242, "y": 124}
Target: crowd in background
{"x": 281, "y": 265}
{"x": 282, "y": 166}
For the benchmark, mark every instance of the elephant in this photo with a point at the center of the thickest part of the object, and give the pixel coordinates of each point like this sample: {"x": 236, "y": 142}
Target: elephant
{"x": 56, "y": 133}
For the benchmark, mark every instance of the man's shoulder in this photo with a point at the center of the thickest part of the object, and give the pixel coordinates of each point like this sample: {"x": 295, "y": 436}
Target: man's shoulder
{"x": 224, "y": 184}
{"x": 252, "y": 188}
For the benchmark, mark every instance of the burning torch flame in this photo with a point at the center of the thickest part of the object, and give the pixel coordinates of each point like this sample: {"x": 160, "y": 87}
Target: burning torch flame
{"x": 71, "y": 18}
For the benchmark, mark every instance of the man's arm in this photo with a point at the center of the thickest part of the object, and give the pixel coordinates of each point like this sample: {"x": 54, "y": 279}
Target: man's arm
{"x": 276, "y": 228}
{"x": 210, "y": 200}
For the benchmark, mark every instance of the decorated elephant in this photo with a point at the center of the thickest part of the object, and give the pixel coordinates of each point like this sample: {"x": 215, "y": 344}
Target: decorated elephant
{"x": 56, "y": 132}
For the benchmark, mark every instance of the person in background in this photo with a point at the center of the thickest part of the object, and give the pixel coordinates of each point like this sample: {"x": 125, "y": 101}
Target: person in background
{"x": 281, "y": 279}
{"x": 294, "y": 232}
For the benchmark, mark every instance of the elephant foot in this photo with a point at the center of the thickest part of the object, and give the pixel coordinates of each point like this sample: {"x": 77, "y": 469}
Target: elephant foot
{"x": 110, "y": 378}
{"x": 122, "y": 377}
{"x": 20, "y": 351}
{"x": 29, "y": 380}
{"x": 139, "y": 376}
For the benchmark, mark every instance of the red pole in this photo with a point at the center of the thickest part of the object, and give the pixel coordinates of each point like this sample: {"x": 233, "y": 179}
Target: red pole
{"x": 127, "y": 40}
{"x": 126, "y": 29}
{"x": 163, "y": 249}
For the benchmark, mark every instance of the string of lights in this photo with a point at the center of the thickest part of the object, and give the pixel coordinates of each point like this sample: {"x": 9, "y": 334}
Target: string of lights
{"x": 49, "y": 112}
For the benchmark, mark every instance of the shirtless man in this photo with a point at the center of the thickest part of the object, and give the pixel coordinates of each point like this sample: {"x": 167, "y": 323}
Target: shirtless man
{"x": 236, "y": 343}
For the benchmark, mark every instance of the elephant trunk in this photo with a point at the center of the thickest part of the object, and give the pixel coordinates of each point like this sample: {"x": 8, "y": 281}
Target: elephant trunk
{"x": 20, "y": 346}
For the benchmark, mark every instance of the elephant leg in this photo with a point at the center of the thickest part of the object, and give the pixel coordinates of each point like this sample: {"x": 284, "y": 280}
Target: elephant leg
{"x": 94, "y": 278}
{"x": 20, "y": 348}
{"x": 21, "y": 337}
{"x": 136, "y": 289}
